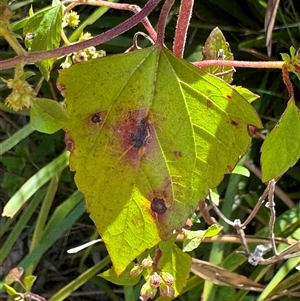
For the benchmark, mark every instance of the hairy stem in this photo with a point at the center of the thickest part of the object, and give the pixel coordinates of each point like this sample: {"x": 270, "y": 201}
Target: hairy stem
{"x": 162, "y": 21}
{"x": 287, "y": 82}
{"x": 120, "y": 6}
{"x": 101, "y": 38}
{"x": 242, "y": 64}
{"x": 183, "y": 22}
{"x": 15, "y": 45}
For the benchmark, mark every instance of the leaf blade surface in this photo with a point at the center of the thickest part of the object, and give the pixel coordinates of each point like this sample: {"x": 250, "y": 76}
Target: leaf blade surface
{"x": 149, "y": 134}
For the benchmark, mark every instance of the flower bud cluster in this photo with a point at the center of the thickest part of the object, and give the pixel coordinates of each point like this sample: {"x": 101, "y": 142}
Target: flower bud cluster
{"x": 138, "y": 268}
{"x": 21, "y": 96}
{"x": 163, "y": 282}
{"x": 83, "y": 55}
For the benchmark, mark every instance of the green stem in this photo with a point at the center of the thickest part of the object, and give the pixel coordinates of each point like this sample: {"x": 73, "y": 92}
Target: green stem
{"x": 10, "y": 37}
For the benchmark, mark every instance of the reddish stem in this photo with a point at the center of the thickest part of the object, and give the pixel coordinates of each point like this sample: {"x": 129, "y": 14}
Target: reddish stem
{"x": 185, "y": 13}
{"x": 243, "y": 64}
{"x": 38, "y": 56}
{"x": 162, "y": 21}
{"x": 121, "y": 6}
{"x": 156, "y": 260}
{"x": 287, "y": 82}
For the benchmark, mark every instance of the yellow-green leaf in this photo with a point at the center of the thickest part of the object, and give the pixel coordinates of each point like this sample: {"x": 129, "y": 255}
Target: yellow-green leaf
{"x": 192, "y": 239}
{"x": 281, "y": 149}
{"x": 149, "y": 134}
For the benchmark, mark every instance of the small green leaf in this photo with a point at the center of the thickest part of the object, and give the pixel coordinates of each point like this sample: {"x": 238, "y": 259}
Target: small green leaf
{"x": 31, "y": 13}
{"x": 216, "y": 46}
{"x": 175, "y": 262}
{"x": 285, "y": 57}
{"x": 192, "y": 239}
{"x": 45, "y": 29}
{"x": 213, "y": 230}
{"x": 292, "y": 51}
{"x": 241, "y": 170}
{"x": 10, "y": 290}
{"x": 123, "y": 279}
{"x": 247, "y": 94}
{"x": 47, "y": 116}
{"x": 281, "y": 149}
{"x": 214, "y": 196}
{"x": 28, "y": 282}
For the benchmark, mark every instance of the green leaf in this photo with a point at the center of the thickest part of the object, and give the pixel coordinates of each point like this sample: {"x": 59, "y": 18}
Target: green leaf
{"x": 292, "y": 51}
{"x": 285, "y": 57}
{"x": 123, "y": 279}
{"x": 10, "y": 290}
{"x": 247, "y": 94}
{"x": 46, "y": 115}
{"x": 241, "y": 170}
{"x": 28, "y": 282}
{"x": 149, "y": 134}
{"x": 192, "y": 239}
{"x": 214, "y": 196}
{"x": 45, "y": 29}
{"x": 281, "y": 149}
{"x": 216, "y": 48}
{"x": 175, "y": 262}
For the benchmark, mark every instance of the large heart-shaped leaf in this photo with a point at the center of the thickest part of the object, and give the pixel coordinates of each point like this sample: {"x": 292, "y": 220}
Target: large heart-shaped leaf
{"x": 148, "y": 134}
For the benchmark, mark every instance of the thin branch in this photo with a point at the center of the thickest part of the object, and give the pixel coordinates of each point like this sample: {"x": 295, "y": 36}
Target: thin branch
{"x": 278, "y": 191}
{"x": 242, "y": 64}
{"x": 235, "y": 239}
{"x": 101, "y": 38}
{"x": 261, "y": 200}
{"x": 121, "y": 6}
{"x": 162, "y": 21}
{"x": 185, "y": 13}
{"x": 271, "y": 206}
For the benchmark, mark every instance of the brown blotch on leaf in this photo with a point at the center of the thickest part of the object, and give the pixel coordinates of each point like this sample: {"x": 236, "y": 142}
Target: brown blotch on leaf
{"x": 177, "y": 154}
{"x": 141, "y": 134}
{"x": 252, "y": 131}
{"x": 233, "y": 122}
{"x": 96, "y": 118}
{"x": 61, "y": 88}
{"x": 70, "y": 145}
{"x": 208, "y": 103}
{"x": 228, "y": 97}
{"x": 134, "y": 131}
{"x": 158, "y": 206}
{"x": 229, "y": 168}
{"x": 94, "y": 122}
